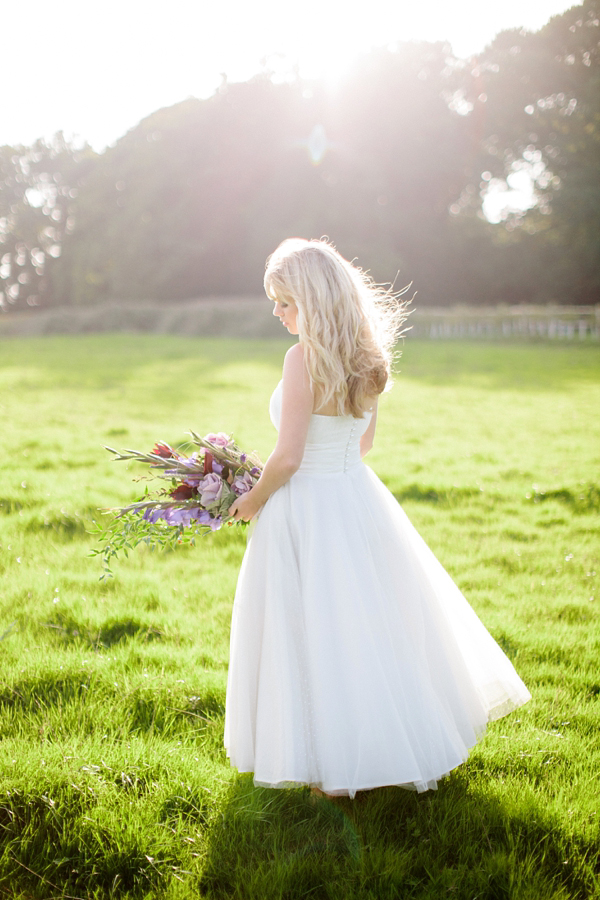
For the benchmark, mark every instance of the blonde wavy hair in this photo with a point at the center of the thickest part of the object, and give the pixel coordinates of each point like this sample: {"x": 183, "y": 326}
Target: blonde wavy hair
{"x": 347, "y": 324}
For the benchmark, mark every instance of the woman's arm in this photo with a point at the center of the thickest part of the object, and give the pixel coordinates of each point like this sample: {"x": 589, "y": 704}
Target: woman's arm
{"x": 296, "y": 409}
{"x": 366, "y": 441}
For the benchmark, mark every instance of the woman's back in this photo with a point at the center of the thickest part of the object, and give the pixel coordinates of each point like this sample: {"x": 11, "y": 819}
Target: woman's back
{"x": 331, "y": 409}
{"x": 332, "y": 441}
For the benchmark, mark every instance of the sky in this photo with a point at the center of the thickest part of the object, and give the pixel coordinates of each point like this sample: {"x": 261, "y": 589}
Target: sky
{"x": 94, "y": 69}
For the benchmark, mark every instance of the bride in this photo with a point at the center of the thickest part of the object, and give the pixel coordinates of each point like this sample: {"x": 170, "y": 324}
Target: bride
{"x": 355, "y": 660}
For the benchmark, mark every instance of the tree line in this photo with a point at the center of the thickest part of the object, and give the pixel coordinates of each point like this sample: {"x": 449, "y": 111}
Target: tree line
{"x": 394, "y": 165}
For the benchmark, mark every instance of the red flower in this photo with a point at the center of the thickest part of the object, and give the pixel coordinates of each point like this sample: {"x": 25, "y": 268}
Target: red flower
{"x": 183, "y": 492}
{"x": 162, "y": 449}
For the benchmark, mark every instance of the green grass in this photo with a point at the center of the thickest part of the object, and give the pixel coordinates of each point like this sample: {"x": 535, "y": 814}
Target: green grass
{"x": 113, "y": 778}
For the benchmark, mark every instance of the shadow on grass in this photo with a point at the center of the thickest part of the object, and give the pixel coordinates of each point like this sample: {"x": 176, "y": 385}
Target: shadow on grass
{"x": 52, "y": 840}
{"x": 191, "y": 806}
{"x": 391, "y": 843}
{"x": 40, "y": 693}
{"x": 106, "y": 635}
{"x": 10, "y": 505}
{"x": 55, "y": 705}
{"x": 387, "y": 844}
{"x": 60, "y": 524}
{"x": 585, "y": 499}
{"x": 63, "y": 525}
{"x": 447, "y": 497}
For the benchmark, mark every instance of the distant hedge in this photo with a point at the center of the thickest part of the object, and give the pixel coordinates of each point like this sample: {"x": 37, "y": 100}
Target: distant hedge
{"x": 251, "y": 317}
{"x": 233, "y": 316}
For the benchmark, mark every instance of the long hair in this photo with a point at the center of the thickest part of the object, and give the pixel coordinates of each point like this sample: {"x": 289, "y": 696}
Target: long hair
{"x": 347, "y": 324}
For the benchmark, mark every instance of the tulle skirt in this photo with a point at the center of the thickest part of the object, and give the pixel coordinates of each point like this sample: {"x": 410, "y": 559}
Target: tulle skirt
{"x": 355, "y": 660}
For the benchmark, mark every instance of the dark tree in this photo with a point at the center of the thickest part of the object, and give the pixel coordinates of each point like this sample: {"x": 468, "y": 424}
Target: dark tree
{"x": 541, "y": 113}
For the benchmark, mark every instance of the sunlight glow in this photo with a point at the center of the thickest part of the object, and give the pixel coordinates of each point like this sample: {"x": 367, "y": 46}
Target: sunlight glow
{"x": 109, "y": 70}
{"x": 515, "y": 195}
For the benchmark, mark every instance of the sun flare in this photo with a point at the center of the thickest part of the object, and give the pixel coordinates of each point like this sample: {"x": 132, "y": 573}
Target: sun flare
{"x": 139, "y": 56}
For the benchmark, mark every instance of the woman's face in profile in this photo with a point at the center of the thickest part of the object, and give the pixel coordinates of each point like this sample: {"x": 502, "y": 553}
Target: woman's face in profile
{"x": 287, "y": 313}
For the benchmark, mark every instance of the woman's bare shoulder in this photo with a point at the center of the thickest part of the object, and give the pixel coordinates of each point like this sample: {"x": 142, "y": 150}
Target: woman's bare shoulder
{"x": 294, "y": 365}
{"x": 295, "y": 354}
{"x": 295, "y": 373}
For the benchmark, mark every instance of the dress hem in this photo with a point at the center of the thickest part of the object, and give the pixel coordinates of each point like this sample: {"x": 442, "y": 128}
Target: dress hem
{"x": 419, "y": 786}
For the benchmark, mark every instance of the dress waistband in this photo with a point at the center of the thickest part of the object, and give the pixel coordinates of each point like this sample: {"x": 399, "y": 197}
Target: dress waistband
{"x": 330, "y": 458}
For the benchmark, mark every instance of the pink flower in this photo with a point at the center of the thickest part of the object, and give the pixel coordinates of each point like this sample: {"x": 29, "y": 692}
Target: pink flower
{"x": 220, "y": 438}
{"x": 241, "y": 484}
{"x": 210, "y": 490}
{"x": 162, "y": 449}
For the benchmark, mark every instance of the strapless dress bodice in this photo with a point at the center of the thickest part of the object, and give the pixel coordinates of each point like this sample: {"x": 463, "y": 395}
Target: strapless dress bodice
{"x": 332, "y": 443}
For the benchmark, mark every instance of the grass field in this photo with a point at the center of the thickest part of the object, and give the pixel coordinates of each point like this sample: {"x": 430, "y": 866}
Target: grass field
{"x": 113, "y": 778}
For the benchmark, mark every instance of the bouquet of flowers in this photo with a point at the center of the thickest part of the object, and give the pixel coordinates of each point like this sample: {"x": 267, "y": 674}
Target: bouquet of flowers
{"x": 203, "y": 485}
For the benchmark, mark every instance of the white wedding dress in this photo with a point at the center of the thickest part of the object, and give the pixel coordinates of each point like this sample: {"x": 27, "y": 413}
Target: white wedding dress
{"x": 355, "y": 660}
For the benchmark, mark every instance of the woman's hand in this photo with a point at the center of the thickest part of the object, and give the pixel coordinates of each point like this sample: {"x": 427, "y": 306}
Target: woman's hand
{"x": 244, "y": 508}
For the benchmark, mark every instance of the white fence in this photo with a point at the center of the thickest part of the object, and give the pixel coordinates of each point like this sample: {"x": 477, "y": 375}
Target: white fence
{"x": 555, "y": 323}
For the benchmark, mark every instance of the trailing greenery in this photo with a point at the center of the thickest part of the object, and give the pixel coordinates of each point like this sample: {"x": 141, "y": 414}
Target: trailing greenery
{"x": 113, "y": 778}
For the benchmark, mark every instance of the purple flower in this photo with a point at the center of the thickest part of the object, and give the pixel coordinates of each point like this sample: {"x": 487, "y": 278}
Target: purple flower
{"x": 254, "y": 471}
{"x": 210, "y": 490}
{"x": 215, "y": 524}
{"x": 177, "y": 516}
{"x": 202, "y": 516}
{"x": 153, "y": 515}
{"x": 243, "y": 457}
{"x": 220, "y": 438}
{"x": 242, "y": 483}
{"x": 191, "y": 461}
{"x": 181, "y": 516}
{"x": 217, "y": 467}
